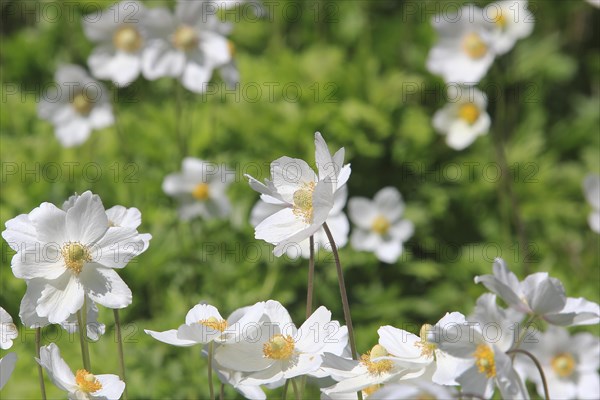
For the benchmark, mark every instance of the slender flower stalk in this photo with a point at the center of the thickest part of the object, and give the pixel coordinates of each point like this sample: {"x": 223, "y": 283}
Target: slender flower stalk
{"x": 311, "y": 277}
{"x": 222, "y": 392}
{"x": 285, "y": 389}
{"x": 537, "y": 365}
{"x": 85, "y": 353}
{"x": 120, "y": 348}
{"x": 211, "y": 347}
{"x": 38, "y": 344}
{"x": 295, "y": 387}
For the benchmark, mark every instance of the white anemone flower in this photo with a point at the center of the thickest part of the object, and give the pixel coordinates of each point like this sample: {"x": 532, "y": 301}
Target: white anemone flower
{"x": 200, "y": 188}
{"x": 379, "y": 224}
{"x": 540, "y": 295}
{"x": 464, "y": 118}
{"x": 305, "y": 198}
{"x": 82, "y": 385}
{"x": 76, "y": 106}
{"x": 337, "y": 222}
{"x": 188, "y": 45}
{"x": 7, "y": 366}
{"x": 511, "y": 21}
{"x": 464, "y": 51}
{"x": 277, "y": 350}
{"x": 68, "y": 255}
{"x": 591, "y": 188}
{"x": 119, "y": 34}
{"x": 8, "y": 330}
{"x": 570, "y": 364}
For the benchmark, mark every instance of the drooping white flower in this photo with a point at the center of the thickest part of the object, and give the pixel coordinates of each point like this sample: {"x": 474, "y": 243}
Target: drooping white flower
{"x": 278, "y": 350}
{"x": 464, "y": 118}
{"x": 540, "y": 295}
{"x": 188, "y": 45}
{"x": 119, "y": 34}
{"x": 305, "y": 199}
{"x": 7, "y": 366}
{"x": 570, "y": 364}
{"x": 8, "y": 330}
{"x": 591, "y": 188}
{"x": 76, "y": 106}
{"x": 82, "y": 385}
{"x": 511, "y": 21}
{"x": 464, "y": 50}
{"x": 337, "y": 222}
{"x": 67, "y": 255}
{"x": 200, "y": 188}
{"x": 379, "y": 224}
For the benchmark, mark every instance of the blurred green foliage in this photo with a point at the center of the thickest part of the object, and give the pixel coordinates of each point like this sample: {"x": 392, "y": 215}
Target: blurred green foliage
{"x": 360, "y": 66}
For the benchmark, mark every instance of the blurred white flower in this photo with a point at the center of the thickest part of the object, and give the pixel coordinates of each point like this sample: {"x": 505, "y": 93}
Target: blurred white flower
{"x": 540, "y": 295}
{"x": 7, "y": 366}
{"x": 82, "y": 385}
{"x": 337, "y": 222}
{"x": 188, "y": 45}
{"x": 200, "y": 188}
{"x": 570, "y": 364}
{"x": 464, "y": 50}
{"x": 511, "y": 21}
{"x": 67, "y": 255}
{"x": 305, "y": 199}
{"x": 595, "y": 3}
{"x": 8, "y": 330}
{"x": 379, "y": 224}
{"x": 464, "y": 118}
{"x": 119, "y": 34}
{"x": 76, "y": 105}
{"x": 414, "y": 389}
{"x": 591, "y": 188}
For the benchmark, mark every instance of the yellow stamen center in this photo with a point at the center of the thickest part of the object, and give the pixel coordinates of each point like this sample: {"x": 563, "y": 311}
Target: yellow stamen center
{"x": 371, "y": 389}
{"x": 376, "y": 367}
{"x": 87, "y": 382}
{"x": 303, "y": 202}
{"x": 75, "y": 255}
{"x": 563, "y": 365}
{"x": 484, "y": 359}
{"x": 214, "y": 323}
{"x": 185, "y": 38}
{"x": 127, "y": 39}
{"x": 82, "y": 104}
{"x": 427, "y": 348}
{"x": 279, "y": 347}
{"x": 468, "y": 112}
{"x": 381, "y": 225}
{"x": 474, "y": 46}
{"x": 201, "y": 191}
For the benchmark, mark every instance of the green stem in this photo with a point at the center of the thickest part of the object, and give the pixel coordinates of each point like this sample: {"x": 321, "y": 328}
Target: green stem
{"x": 295, "y": 387}
{"x": 537, "y": 365}
{"x": 285, "y": 389}
{"x": 120, "y": 348}
{"x": 85, "y": 352}
{"x": 38, "y": 345}
{"x": 222, "y": 392}
{"x": 210, "y": 378}
{"x": 311, "y": 277}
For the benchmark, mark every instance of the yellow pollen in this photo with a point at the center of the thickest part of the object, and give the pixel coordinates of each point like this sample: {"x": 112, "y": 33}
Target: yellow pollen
{"x": 371, "y": 389}
{"x": 303, "y": 202}
{"x": 474, "y": 46}
{"x": 563, "y": 364}
{"x": 484, "y": 359}
{"x": 381, "y": 225}
{"x": 214, "y": 323}
{"x": 127, "y": 39}
{"x": 87, "y": 382}
{"x": 376, "y": 367}
{"x": 427, "y": 348}
{"x": 201, "y": 191}
{"x": 75, "y": 255}
{"x": 279, "y": 347}
{"x": 185, "y": 38}
{"x": 231, "y": 48}
{"x": 468, "y": 112}
{"x": 500, "y": 19}
{"x": 82, "y": 104}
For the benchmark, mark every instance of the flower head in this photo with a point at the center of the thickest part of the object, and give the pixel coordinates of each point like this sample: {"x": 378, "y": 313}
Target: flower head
{"x": 510, "y": 21}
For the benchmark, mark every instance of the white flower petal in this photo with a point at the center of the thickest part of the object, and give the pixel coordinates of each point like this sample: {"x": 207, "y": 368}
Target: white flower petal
{"x": 58, "y": 370}
{"x": 7, "y": 366}
{"x": 59, "y": 298}
{"x": 86, "y": 221}
{"x": 170, "y": 337}
{"x": 112, "y": 387}
{"x": 104, "y": 286}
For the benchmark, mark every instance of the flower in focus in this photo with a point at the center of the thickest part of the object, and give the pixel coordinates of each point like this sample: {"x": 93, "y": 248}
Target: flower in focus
{"x": 188, "y": 45}
{"x": 8, "y": 330}
{"x": 379, "y": 224}
{"x": 511, "y": 21}
{"x": 200, "y": 188}
{"x": 464, "y": 118}
{"x": 82, "y": 385}
{"x": 7, "y": 366}
{"x": 464, "y": 51}
{"x": 591, "y": 188}
{"x": 77, "y": 105}
{"x": 305, "y": 199}
{"x": 119, "y": 34}
{"x": 68, "y": 255}
{"x": 540, "y": 295}
{"x": 570, "y": 364}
